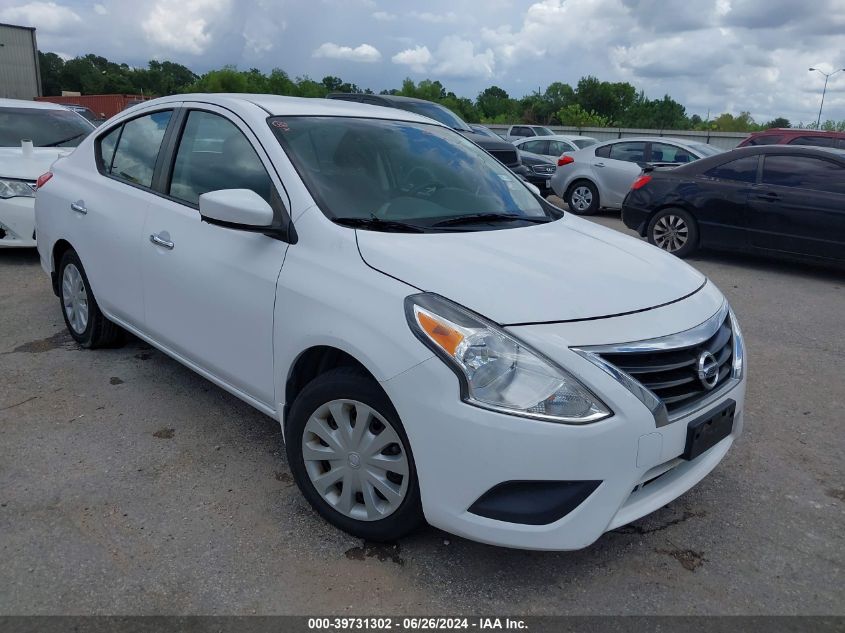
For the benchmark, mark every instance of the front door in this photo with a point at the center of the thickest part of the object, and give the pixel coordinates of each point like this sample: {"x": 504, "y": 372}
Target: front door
{"x": 616, "y": 173}
{"x": 210, "y": 291}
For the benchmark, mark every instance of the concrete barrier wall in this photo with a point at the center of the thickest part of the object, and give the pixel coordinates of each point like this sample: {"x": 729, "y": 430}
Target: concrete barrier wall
{"x": 724, "y": 140}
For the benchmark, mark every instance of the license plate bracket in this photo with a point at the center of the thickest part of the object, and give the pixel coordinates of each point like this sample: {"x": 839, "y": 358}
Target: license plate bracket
{"x": 711, "y": 428}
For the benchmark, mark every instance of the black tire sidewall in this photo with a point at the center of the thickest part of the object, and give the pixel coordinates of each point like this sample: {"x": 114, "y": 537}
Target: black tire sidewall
{"x": 594, "y": 205}
{"x": 85, "y": 339}
{"x": 692, "y": 228}
{"x": 354, "y": 385}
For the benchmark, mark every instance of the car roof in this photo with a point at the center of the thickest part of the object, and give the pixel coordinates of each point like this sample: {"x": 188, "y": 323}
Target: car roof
{"x": 707, "y": 162}
{"x": 277, "y": 105}
{"x": 23, "y": 103}
{"x": 647, "y": 139}
{"x": 792, "y": 131}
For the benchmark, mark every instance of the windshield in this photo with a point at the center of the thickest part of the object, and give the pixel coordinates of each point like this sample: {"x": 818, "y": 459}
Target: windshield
{"x": 436, "y": 112}
{"x": 584, "y": 142}
{"x": 704, "y": 149}
{"x": 45, "y": 128}
{"x": 399, "y": 171}
{"x": 543, "y": 131}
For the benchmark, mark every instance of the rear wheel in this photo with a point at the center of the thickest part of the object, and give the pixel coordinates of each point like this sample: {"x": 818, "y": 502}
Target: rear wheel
{"x": 86, "y": 324}
{"x": 583, "y": 198}
{"x": 675, "y": 231}
{"x": 351, "y": 458}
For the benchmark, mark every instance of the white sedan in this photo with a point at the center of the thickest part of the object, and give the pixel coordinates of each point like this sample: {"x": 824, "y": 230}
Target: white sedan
{"x": 416, "y": 319}
{"x": 32, "y": 135}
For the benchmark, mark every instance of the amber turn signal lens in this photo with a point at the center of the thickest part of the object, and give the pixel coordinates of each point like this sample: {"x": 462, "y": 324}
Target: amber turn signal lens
{"x": 446, "y": 337}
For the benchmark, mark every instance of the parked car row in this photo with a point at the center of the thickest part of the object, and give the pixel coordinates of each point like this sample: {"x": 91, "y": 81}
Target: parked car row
{"x": 405, "y": 307}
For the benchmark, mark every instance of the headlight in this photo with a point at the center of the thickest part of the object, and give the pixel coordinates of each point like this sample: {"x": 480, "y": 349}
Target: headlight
{"x": 543, "y": 169}
{"x": 497, "y": 371}
{"x": 738, "y": 348}
{"x": 10, "y": 188}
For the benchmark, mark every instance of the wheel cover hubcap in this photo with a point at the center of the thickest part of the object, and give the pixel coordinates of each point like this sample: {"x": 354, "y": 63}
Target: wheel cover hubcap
{"x": 582, "y": 198}
{"x": 74, "y": 298}
{"x": 356, "y": 460}
{"x": 671, "y": 233}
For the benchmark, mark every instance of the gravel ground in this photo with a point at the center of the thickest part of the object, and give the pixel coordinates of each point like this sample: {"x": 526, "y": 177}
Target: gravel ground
{"x": 130, "y": 485}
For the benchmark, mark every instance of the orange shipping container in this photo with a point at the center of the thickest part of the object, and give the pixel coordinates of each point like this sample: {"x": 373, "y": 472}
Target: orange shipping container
{"x": 103, "y": 106}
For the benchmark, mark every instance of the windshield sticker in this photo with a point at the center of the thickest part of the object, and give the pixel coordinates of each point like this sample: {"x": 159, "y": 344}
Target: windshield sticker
{"x": 281, "y": 125}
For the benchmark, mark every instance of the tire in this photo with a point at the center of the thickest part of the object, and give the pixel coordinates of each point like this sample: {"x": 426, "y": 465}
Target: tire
{"x": 86, "y": 324}
{"x": 674, "y": 230}
{"x": 386, "y": 515}
{"x": 583, "y": 198}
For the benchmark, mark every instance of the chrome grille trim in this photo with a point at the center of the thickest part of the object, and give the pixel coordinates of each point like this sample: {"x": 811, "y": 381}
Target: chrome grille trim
{"x": 726, "y": 340}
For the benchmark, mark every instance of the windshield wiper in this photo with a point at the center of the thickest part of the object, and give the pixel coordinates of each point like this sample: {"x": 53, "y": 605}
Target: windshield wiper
{"x": 377, "y": 224}
{"x": 474, "y": 218}
{"x": 64, "y": 140}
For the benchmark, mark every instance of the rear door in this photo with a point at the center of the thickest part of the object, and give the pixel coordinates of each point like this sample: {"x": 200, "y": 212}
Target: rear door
{"x": 721, "y": 202}
{"x": 799, "y": 206}
{"x": 617, "y": 172}
{"x": 210, "y": 290}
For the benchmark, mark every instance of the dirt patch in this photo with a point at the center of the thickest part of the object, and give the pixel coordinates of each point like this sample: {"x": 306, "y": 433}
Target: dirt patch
{"x": 638, "y": 529}
{"x": 689, "y": 559}
{"x": 383, "y": 552}
{"x": 114, "y": 380}
{"x": 59, "y": 340}
{"x": 284, "y": 477}
{"x": 164, "y": 434}
{"x": 836, "y": 493}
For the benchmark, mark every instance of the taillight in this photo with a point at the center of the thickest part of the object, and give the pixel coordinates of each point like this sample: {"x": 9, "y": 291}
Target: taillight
{"x": 42, "y": 179}
{"x": 565, "y": 160}
{"x": 642, "y": 181}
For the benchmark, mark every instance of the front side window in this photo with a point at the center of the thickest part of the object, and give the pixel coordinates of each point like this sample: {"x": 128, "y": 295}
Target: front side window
{"x": 134, "y": 158}
{"x": 739, "y": 170}
{"x": 400, "y": 171}
{"x": 44, "y": 127}
{"x": 108, "y": 143}
{"x": 214, "y": 154}
{"x": 665, "y": 153}
{"x": 804, "y": 172}
{"x": 632, "y": 151}
{"x": 814, "y": 141}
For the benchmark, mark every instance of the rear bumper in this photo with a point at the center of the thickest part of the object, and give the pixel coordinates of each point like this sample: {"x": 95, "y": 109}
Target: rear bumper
{"x": 635, "y": 217}
{"x": 17, "y": 223}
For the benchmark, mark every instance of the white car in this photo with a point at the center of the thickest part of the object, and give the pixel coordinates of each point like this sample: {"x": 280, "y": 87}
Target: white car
{"x": 527, "y": 131}
{"x": 554, "y": 146}
{"x": 32, "y": 135}
{"x": 600, "y": 176}
{"x": 413, "y": 316}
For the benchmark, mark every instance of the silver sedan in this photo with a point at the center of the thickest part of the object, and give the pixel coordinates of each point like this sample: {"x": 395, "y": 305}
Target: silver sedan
{"x": 599, "y": 176}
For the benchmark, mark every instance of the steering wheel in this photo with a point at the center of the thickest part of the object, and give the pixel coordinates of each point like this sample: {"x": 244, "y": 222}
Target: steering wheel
{"x": 427, "y": 180}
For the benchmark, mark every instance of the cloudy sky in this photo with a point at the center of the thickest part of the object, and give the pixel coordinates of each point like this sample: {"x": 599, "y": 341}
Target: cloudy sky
{"x": 711, "y": 55}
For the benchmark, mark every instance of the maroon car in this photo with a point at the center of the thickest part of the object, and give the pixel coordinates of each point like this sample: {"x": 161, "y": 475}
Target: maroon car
{"x": 791, "y": 136}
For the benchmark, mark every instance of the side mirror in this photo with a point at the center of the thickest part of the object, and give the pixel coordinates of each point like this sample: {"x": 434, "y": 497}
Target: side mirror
{"x": 236, "y": 209}
{"x": 533, "y": 188}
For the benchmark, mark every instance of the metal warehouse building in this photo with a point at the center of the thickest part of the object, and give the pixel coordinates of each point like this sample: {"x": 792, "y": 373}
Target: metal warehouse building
{"x": 20, "y": 76}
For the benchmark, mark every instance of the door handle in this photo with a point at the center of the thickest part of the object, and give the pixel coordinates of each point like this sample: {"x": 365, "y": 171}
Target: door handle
{"x": 598, "y": 164}
{"x": 79, "y": 207}
{"x": 155, "y": 239}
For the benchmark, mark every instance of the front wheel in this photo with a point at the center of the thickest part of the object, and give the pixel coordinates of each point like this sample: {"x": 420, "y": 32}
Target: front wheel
{"x": 351, "y": 458}
{"x": 86, "y": 324}
{"x": 583, "y": 198}
{"x": 675, "y": 231}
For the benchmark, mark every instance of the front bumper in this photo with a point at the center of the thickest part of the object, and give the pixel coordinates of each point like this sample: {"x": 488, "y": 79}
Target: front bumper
{"x": 462, "y": 452}
{"x": 17, "y": 223}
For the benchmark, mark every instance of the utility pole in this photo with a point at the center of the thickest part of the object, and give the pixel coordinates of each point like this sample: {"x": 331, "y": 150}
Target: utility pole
{"x": 824, "y": 90}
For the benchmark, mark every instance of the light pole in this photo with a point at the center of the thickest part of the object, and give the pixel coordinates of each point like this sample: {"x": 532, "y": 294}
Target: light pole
{"x": 826, "y": 77}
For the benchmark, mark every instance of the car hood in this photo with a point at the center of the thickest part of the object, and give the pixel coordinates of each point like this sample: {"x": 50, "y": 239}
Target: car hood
{"x": 567, "y": 270}
{"x": 487, "y": 142}
{"x": 13, "y": 164}
{"x": 530, "y": 158}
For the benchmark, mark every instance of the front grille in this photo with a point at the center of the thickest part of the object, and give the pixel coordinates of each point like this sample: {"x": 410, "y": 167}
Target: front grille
{"x": 672, "y": 375}
{"x": 506, "y": 156}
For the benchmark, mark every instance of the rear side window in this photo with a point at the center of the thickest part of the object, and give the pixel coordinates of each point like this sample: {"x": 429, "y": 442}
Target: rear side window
{"x": 814, "y": 141}
{"x": 107, "y": 145}
{"x": 804, "y": 172}
{"x": 556, "y": 148}
{"x": 632, "y": 151}
{"x": 739, "y": 170}
{"x": 603, "y": 152}
{"x": 214, "y": 154}
{"x": 767, "y": 139}
{"x": 134, "y": 159}
{"x": 536, "y": 147}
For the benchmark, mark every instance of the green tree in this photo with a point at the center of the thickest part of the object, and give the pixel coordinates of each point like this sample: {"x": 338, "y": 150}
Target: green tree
{"x": 494, "y": 102}
{"x": 51, "y": 72}
{"x": 575, "y": 116}
{"x": 778, "y": 122}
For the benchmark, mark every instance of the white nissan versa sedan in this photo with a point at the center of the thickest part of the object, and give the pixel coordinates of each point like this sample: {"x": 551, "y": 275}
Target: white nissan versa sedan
{"x": 416, "y": 319}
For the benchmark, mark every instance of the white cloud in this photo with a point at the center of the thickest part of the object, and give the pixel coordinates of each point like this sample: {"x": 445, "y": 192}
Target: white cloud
{"x": 184, "y": 26}
{"x": 417, "y": 58}
{"x": 449, "y": 17}
{"x": 457, "y": 58}
{"x": 44, "y": 16}
{"x": 362, "y": 53}
{"x": 99, "y": 9}
{"x": 384, "y": 16}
